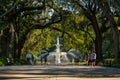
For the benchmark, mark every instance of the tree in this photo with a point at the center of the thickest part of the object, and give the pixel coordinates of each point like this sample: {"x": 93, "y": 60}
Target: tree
{"x": 90, "y": 11}
{"x": 28, "y": 15}
{"x": 110, "y": 11}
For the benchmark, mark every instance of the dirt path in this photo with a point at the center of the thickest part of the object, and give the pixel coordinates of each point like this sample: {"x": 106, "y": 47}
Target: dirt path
{"x": 58, "y": 72}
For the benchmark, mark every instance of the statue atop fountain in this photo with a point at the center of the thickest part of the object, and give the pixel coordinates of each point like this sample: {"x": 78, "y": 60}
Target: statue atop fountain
{"x": 58, "y": 46}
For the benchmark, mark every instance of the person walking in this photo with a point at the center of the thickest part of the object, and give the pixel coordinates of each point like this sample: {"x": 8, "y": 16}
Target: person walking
{"x": 93, "y": 59}
{"x": 28, "y": 57}
{"x": 33, "y": 59}
{"x": 88, "y": 59}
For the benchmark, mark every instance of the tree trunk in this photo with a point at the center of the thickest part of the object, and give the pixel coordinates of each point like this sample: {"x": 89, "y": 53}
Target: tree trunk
{"x": 98, "y": 48}
{"x": 116, "y": 43}
{"x": 4, "y": 42}
{"x": 21, "y": 41}
{"x": 98, "y": 39}
{"x": 20, "y": 46}
{"x": 3, "y": 46}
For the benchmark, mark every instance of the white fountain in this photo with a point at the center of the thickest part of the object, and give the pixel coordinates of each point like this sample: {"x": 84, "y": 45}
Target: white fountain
{"x": 58, "y": 57}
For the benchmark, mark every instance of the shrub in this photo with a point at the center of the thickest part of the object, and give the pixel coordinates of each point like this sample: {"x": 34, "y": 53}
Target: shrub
{"x": 109, "y": 61}
{"x": 116, "y": 65}
{"x": 3, "y": 61}
{"x": 19, "y": 61}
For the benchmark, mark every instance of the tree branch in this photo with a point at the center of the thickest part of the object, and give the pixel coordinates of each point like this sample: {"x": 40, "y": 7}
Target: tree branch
{"x": 39, "y": 26}
{"x": 88, "y": 34}
{"x": 7, "y": 12}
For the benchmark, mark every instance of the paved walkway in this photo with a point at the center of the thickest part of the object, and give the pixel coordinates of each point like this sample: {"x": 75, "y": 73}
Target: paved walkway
{"x": 58, "y": 72}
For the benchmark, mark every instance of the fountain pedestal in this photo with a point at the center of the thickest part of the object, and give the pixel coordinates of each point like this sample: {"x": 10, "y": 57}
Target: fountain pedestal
{"x": 57, "y": 58}
{"x": 57, "y": 55}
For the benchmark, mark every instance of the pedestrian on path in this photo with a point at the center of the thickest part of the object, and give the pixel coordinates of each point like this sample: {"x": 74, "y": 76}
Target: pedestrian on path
{"x": 88, "y": 59}
{"x": 33, "y": 59}
{"x": 93, "y": 59}
{"x": 28, "y": 57}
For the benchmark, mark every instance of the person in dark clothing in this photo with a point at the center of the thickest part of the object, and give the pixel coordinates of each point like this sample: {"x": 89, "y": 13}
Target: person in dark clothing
{"x": 33, "y": 59}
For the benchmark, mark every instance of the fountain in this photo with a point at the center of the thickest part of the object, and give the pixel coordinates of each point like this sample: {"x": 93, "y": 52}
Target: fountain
{"x": 57, "y": 57}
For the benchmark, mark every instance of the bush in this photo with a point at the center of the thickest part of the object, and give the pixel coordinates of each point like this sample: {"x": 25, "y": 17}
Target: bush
{"x": 109, "y": 61}
{"x": 3, "y": 61}
{"x": 19, "y": 61}
{"x": 116, "y": 65}
{"x": 100, "y": 64}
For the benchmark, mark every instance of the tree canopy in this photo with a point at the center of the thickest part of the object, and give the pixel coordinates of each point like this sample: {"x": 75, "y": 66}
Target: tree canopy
{"x": 86, "y": 25}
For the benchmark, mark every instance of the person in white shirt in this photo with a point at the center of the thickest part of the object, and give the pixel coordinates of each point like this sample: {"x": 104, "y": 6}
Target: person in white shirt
{"x": 93, "y": 59}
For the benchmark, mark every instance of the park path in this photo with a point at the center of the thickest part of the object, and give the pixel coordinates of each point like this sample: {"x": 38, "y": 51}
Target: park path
{"x": 58, "y": 72}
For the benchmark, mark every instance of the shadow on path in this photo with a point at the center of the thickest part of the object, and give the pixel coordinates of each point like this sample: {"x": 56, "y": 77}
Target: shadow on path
{"x": 49, "y": 71}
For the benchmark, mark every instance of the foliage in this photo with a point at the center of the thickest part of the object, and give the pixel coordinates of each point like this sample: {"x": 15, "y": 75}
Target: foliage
{"x": 107, "y": 48}
{"x": 3, "y": 61}
{"x": 37, "y": 40}
{"x": 79, "y": 31}
{"x": 19, "y": 61}
{"x": 109, "y": 61}
{"x": 116, "y": 65}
